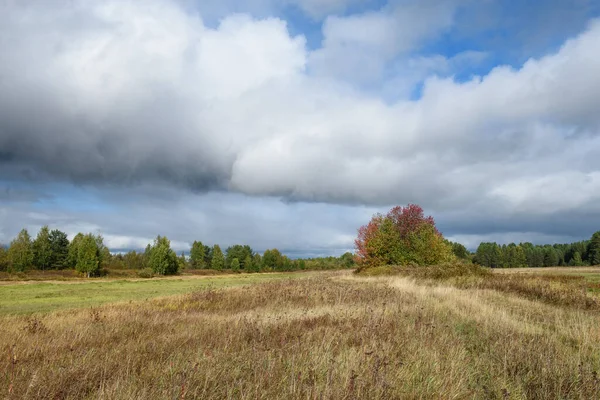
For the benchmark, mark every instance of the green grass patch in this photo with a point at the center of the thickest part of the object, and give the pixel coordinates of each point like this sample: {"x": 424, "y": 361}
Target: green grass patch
{"x": 46, "y": 297}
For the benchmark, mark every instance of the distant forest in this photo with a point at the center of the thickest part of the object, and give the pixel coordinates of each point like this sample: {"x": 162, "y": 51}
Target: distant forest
{"x": 87, "y": 253}
{"x": 534, "y": 256}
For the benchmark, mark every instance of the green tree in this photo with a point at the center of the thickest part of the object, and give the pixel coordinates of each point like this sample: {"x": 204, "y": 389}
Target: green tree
{"x": 183, "y": 261}
{"x": 20, "y": 252}
{"x": 208, "y": 255}
{"x": 105, "y": 256}
{"x": 519, "y": 258}
{"x": 218, "y": 260}
{"x": 346, "y": 260}
{"x": 89, "y": 255}
{"x": 162, "y": 259}
{"x": 197, "y": 253}
{"x": 594, "y": 249}
{"x": 42, "y": 249}
{"x": 73, "y": 252}
{"x": 256, "y": 263}
{"x": 272, "y": 260}
{"x": 3, "y": 259}
{"x": 135, "y": 260}
{"x": 237, "y": 251}
{"x": 576, "y": 261}
{"x": 235, "y": 265}
{"x": 59, "y": 243}
{"x": 489, "y": 255}
{"x": 581, "y": 248}
{"x": 550, "y": 257}
{"x": 301, "y": 264}
{"x": 248, "y": 267}
{"x": 460, "y": 251}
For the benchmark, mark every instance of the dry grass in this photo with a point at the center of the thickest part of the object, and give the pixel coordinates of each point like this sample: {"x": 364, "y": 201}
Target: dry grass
{"x": 335, "y": 336}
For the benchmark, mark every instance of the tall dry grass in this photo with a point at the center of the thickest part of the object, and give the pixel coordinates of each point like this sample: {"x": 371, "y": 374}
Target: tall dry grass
{"x": 332, "y": 337}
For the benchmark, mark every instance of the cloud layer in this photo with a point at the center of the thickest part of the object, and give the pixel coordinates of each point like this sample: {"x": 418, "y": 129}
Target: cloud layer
{"x": 122, "y": 94}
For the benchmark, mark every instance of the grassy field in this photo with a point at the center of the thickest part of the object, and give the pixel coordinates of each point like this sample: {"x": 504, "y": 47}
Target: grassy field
{"x": 31, "y": 296}
{"x": 591, "y": 273}
{"x": 588, "y": 276}
{"x": 330, "y": 336}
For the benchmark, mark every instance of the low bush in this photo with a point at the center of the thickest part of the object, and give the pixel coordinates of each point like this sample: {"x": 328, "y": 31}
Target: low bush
{"x": 145, "y": 273}
{"x": 437, "y": 272}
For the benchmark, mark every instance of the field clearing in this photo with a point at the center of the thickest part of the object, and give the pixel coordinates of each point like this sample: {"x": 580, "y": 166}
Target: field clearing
{"x": 26, "y": 297}
{"x": 581, "y": 271}
{"x": 333, "y": 335}
{"x": 591, "y": 275}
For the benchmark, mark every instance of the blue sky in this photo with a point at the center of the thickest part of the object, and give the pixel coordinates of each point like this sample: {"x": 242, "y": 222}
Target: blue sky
{"x": 289, "y": 123}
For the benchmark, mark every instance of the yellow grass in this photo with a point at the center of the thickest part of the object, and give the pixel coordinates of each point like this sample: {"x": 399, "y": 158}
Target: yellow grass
{"x": 335, "y": 336}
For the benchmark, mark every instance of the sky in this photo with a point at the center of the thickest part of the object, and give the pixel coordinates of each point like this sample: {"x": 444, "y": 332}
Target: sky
{"x": 288, "y": 123}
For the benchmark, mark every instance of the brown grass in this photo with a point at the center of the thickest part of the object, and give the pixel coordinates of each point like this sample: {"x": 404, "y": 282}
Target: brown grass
{"x": 336, "y": 336}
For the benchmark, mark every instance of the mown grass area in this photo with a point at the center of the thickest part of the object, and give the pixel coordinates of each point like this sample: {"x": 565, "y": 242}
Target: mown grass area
{"x": 29, "y": 297}
{"x": 332, "y": 336}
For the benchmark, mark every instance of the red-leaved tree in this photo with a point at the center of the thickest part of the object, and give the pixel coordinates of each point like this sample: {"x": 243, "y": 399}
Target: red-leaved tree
{"x": 403, "y": 236}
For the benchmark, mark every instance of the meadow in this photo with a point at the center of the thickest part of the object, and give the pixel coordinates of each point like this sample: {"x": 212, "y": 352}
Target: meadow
{"x": 326, "y": 335}
{"x": 34, "y": 296}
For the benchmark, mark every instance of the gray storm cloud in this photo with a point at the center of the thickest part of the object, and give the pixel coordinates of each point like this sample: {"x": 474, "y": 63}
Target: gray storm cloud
{"x": 125, "y": 93}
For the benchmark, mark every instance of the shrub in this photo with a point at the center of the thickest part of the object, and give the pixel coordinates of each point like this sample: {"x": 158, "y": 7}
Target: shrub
{"x": 435, "y": 272}
{"x": 145, "y": 273}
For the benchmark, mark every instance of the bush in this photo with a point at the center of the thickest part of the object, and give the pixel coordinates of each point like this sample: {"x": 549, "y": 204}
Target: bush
{"x": 436, "y": 272}
{"x": 145, "y": 273}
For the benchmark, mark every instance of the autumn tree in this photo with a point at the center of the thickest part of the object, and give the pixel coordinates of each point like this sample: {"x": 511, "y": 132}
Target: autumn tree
{"x": 403, "y": 236}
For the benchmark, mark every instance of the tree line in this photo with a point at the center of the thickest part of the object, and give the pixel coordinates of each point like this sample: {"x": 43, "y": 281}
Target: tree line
{"x": 86, "y": 253}
{"x": 493, "y": 255}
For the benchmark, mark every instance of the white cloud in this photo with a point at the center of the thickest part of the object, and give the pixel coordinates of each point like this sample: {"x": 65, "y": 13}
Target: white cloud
{"x": 358, "y": 46}
{"x": 119, "y": 93}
